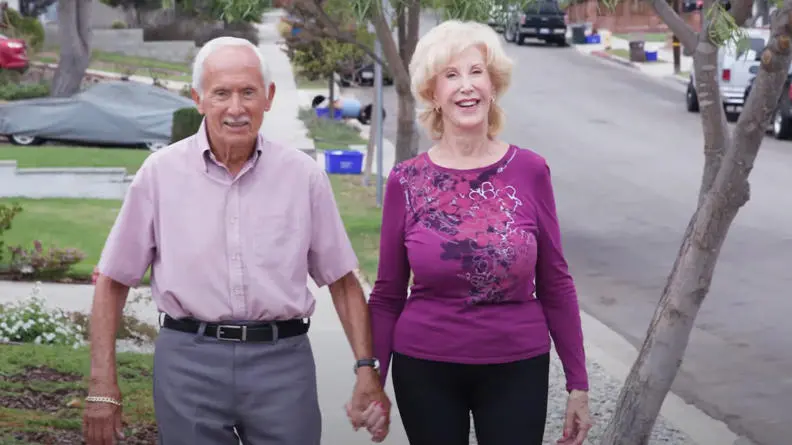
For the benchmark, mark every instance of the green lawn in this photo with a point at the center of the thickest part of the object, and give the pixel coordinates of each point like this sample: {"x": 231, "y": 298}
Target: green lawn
{"x": 362, "y": 220}
{"x": 64, "y": 156}
{"x": 79, "y": 223}
{"x": 648, "y": 37}
{"x": 122, "y": 63}
{"x": 329, "y": 134}
{"x": 356, "y": 203}
{"x": 57, "y": 393}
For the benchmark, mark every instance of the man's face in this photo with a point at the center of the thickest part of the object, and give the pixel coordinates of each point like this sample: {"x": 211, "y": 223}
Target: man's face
{"x": 234, "y": 98}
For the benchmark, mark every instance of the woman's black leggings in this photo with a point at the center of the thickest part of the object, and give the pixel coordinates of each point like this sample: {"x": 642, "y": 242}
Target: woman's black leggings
{"x": 508, "y": 401}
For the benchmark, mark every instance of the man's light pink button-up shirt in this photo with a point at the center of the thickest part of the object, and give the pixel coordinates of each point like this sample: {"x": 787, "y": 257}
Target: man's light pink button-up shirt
{"x": 225, "y": 248}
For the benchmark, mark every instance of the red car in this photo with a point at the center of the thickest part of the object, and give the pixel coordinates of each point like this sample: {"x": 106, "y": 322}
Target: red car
{"x": 13, "y": 54}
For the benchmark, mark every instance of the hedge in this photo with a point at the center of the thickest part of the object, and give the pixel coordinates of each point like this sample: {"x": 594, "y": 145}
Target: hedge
{"x": 186, "y": 122}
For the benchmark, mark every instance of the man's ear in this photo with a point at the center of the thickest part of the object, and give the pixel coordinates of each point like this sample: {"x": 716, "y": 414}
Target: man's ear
{"x": 270, "y": 96}
{"x": 197, "y": 99}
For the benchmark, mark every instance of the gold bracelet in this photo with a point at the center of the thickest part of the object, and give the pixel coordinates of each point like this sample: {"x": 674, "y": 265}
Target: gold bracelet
{"x": 103, "y": 400}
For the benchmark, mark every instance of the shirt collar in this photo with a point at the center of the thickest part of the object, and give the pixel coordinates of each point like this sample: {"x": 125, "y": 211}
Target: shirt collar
{"x": 205, "y": 152}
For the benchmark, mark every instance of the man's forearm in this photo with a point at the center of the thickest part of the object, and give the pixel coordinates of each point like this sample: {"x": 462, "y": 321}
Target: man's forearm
{"x": 350, "y": 303}
{"x": 108, "y": 305}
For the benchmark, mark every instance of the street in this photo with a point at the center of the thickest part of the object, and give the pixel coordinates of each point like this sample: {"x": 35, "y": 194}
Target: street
{"x": 626, "y": 160}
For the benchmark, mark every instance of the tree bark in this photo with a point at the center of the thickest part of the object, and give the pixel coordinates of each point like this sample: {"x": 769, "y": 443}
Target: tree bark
{"x": 661, "y": 355}
{"x": 371, "y": 142}
{"x": 74, "y": 25}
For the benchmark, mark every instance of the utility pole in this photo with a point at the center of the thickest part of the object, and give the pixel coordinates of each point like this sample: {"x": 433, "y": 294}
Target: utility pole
{"x": 675, "y": 41}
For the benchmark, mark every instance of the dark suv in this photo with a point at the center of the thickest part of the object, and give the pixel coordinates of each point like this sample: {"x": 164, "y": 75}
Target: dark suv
{"x": 541, "y": 19}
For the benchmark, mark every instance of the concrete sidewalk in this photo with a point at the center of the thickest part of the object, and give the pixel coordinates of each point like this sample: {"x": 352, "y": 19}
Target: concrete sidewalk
{"x": 605, "y": 349}
{"x": 664, "y": 68}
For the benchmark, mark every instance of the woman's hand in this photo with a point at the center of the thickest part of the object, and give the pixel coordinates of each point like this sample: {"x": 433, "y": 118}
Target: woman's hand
{"x": 374, "y": 418}
{"x": 578, "y": 420}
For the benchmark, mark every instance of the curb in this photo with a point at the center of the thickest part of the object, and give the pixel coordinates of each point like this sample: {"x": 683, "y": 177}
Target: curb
{"x": 616, "y": 355}
{"x": 615, "y": 59}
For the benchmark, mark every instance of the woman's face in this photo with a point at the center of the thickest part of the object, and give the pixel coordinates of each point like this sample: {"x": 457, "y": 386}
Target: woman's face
{"x": 463, "y": 91}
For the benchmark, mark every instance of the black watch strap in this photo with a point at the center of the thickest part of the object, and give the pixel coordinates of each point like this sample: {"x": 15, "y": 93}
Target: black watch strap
{"x": 371, "y": 362}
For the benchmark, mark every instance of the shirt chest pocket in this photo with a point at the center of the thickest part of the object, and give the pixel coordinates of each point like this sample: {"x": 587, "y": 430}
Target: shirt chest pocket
{"x": 277, "y": 240}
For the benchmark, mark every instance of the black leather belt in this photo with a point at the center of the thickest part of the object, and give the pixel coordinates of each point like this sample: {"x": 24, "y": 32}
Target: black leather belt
{"x": 256, "y": 332}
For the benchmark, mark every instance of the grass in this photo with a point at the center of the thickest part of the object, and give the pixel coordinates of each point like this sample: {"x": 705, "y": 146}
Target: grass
{"x": 356, "y": 203}
{"x": 65, "y": 156}
{"x": 329, "y": 134}
{"x": 362, "y": 220}
{"x": 79, "y": 223}
{"x": 122, "y": 63}
{"x": 65, "y": 414}
{"x": 648, "y": 37}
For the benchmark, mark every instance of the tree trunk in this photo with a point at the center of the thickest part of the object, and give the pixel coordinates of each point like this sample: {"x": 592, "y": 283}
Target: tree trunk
{"x": 406, "y": 146}
{"x": 331, "y": 98}
{"x": 727, "y": 172}
{"x": 371, "y": 142}
{"x": 74, "y": 24}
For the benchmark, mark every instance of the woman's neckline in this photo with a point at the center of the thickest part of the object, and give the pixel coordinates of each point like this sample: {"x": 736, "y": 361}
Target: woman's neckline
{"x": 509, "y": 150}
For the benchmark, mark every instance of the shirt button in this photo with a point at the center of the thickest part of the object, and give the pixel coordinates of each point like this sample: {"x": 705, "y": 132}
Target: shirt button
{"x": 236, "y": 257}
{"x": 237, "y": 290}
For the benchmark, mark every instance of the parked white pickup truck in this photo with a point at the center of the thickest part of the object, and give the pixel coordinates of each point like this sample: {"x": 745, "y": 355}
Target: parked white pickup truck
{"x": 735, "y": 71}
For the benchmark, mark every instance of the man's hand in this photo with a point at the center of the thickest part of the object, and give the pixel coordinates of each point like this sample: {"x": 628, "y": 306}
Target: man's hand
{"x": 369, "y": 406}
{"x": 102, "y": 421}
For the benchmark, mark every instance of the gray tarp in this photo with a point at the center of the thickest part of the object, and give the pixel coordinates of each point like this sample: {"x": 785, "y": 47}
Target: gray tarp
{"x": 107, "y": 112}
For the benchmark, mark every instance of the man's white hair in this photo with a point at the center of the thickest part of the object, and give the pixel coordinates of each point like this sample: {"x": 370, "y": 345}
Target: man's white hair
{"x": 224, "y": 42}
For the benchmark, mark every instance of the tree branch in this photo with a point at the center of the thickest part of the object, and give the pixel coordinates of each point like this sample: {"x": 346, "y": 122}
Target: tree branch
{"x": 687, "y": 37}
{"x": 401, "y": 77}
{"x": 413, "y": 29}
{"x": 741, "y": 10}
{"x": 318, "y": 24}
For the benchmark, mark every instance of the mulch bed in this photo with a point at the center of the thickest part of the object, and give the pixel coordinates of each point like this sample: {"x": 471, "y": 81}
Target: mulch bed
{"x": 28, "y": 398}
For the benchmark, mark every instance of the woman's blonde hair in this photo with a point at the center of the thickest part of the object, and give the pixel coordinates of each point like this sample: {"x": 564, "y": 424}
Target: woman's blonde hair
{"x": 434, "y": 52}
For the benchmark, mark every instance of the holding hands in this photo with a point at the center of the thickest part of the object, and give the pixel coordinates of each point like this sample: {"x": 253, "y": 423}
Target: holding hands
{"x": 369, "y": 406}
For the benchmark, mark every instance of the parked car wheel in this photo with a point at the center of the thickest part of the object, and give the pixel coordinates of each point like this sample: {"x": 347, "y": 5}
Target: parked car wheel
{"x": 691, "y": 98}
{"x": 508, "y": 34}
{"x": 782, "y": 126}
{"x": 18, "y": 139}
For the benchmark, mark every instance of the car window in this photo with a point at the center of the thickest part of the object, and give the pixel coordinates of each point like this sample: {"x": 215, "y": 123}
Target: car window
{"x": 753, "y": 48}
{"x": 542, "y": 7}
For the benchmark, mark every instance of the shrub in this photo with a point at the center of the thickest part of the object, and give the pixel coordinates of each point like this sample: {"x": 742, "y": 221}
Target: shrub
{"x": 53, "y": 263}
{"x": 26, "y": 28}
{"x": 7, "y": 214}
{"x": 186, "y": 122}
{"x": 31, "y": 321}
{"x": 20, "y": 91}
{"x": 242, "y": 30}
{"x": 118, "y": 24}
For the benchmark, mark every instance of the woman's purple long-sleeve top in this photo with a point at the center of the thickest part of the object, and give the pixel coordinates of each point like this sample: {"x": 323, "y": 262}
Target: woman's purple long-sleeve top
{"x": 490, "y": 281}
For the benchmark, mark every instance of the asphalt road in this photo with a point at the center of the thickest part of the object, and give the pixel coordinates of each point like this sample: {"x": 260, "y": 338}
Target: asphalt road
{"x": 626, "y": 160}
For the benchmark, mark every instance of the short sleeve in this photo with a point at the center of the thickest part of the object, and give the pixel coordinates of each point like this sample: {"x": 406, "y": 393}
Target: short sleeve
{"x": 330, "y": 256}
{"x": 130, "y": 246}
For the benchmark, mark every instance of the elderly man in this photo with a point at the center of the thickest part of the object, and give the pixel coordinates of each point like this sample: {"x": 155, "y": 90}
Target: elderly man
{"x": 231, "y": 225}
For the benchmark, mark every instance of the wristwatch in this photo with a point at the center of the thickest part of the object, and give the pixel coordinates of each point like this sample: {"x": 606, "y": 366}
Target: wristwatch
{"x": 372, "y": 362}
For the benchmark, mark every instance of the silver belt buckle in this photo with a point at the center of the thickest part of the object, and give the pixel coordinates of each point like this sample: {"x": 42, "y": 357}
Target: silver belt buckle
{"x": 222, "y": 327}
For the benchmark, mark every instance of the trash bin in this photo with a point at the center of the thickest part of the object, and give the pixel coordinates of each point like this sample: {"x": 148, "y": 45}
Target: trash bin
{"x": 637, "y": 53}
{"x": 578, "y": 34}
{"x": 343, "y": 162}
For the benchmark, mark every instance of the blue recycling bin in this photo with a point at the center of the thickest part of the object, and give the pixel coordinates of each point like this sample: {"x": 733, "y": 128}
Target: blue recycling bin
{"x": 325, "y": 113}
{"x": 343, "y": 162}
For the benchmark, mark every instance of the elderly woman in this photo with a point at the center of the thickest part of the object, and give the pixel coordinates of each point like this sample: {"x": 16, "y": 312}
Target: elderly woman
{"x": 474, "y": 220}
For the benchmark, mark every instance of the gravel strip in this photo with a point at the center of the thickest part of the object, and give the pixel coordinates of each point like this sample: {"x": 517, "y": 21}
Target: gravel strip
{"x": 602, "y": 399}
{"x": 603, "y": 393}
